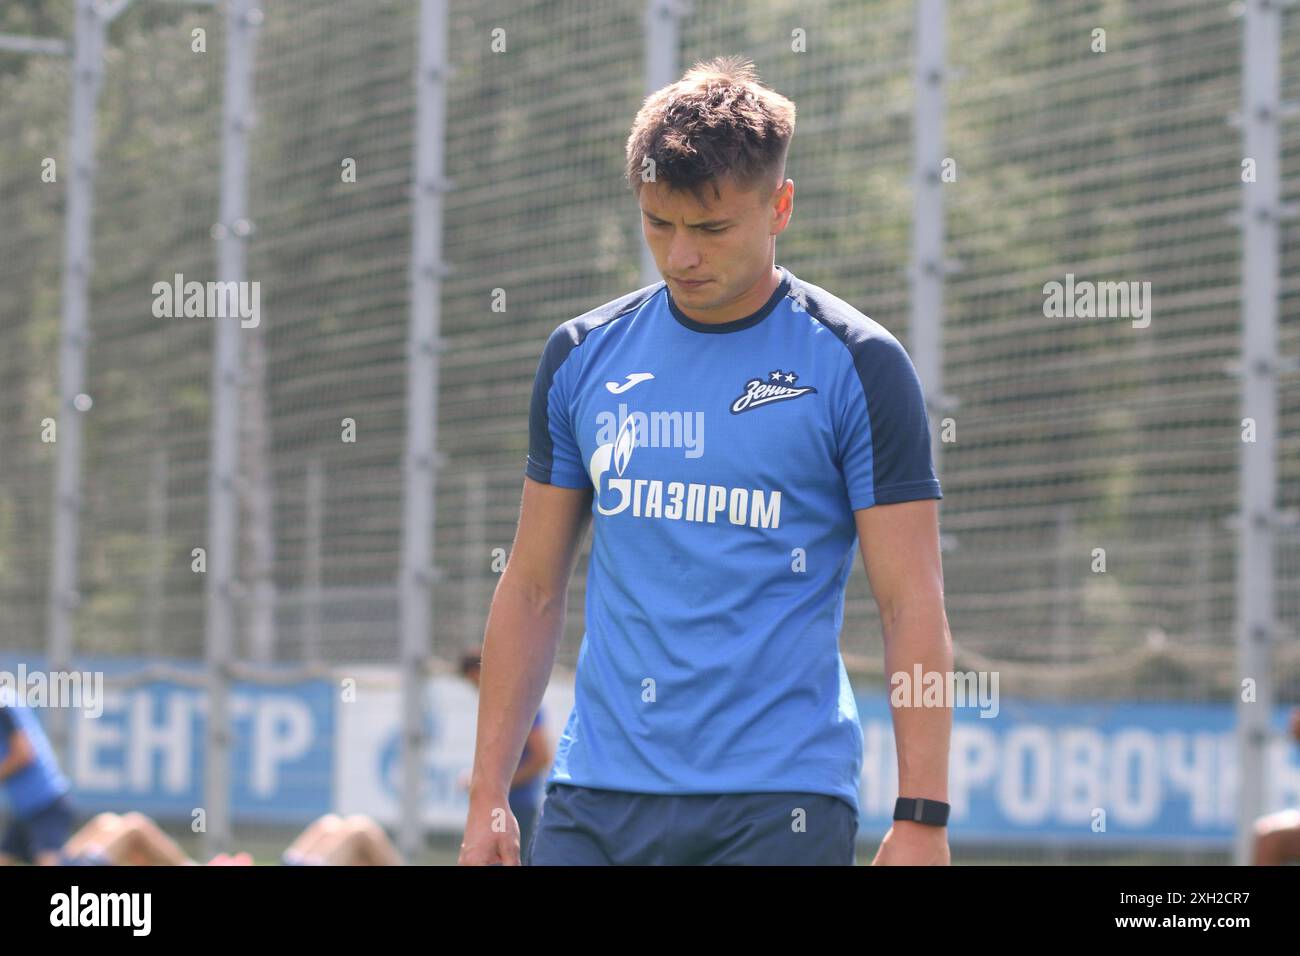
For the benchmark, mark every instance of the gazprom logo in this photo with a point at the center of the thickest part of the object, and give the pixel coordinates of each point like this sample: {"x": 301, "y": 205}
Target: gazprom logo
{"x": 620, "y": 453}
{"x": 674, "y": 500}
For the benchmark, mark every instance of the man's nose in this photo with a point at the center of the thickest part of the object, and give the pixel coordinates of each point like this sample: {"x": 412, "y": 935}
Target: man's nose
{"x": 681, "y": 254}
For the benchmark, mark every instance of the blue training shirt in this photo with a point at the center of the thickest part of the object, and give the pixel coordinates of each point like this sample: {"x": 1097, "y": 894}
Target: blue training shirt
{"x": 40, "y": 783}
{"x": 727, "y": 460}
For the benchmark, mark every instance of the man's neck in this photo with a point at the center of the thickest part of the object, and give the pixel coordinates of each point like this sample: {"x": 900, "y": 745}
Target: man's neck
{"x": 748, "y": 304}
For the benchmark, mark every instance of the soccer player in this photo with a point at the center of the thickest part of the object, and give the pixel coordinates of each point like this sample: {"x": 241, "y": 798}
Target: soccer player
{"x": 128, "y": 839}
{"x": 332, "y": 840}
{"x": 36, "y": 788}
{"x": 730, "y": 431}
{"x": 133, "y": 839}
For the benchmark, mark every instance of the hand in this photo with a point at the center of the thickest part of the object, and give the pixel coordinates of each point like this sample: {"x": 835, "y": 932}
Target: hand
{"x": 463, "y": 778}
{"x": 913, "y": 844}
{"x": 491, "y": 834}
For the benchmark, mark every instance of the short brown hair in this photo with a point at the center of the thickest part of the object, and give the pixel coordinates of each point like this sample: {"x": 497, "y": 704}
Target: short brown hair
{"x": 716, "y": 121}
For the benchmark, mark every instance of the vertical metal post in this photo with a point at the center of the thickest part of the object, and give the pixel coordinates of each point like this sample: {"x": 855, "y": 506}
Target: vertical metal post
{"x": 90, "y": 33}
{"x": 421, "y": 459}
{"x": 928, "y": 266}
{"x": 663, "y": 26}
{"x": 1257, "y": 488}
{"x": 231, "y": 232}
{"x": 311, "y": 609}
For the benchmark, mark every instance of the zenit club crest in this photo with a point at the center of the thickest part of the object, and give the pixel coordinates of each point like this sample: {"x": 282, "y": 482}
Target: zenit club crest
{"x": 778, "y": 388}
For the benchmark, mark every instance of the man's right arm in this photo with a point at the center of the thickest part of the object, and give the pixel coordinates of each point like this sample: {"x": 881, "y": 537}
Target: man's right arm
{"x": 524, "y": 628}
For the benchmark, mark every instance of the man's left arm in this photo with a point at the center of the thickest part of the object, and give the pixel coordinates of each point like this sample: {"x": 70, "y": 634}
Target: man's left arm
{"x": 900, "y": 549}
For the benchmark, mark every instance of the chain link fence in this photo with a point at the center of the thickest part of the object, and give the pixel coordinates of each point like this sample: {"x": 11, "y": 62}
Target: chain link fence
{"x": 1089, "y": 468}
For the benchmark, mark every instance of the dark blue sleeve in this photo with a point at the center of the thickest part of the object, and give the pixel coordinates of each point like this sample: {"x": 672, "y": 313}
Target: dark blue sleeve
{"x": 7, "y": 723}
{"x": 884, "y": 428}
{"x": 553, "y": 454}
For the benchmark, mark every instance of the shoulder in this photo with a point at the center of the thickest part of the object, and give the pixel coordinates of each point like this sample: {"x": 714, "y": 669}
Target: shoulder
{"x": 570, "y": 334}
{"x": 862, "y": 337}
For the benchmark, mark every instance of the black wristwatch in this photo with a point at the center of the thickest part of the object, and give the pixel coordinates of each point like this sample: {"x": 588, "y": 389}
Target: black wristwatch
{"x": 930, "y": 812}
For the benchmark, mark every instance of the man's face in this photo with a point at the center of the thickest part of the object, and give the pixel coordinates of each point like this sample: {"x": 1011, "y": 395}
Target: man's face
{"x": 729, "y": 244}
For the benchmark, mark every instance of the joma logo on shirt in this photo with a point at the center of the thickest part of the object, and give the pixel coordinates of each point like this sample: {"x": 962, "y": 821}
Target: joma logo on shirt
{"x": 758, "y": 392}
{"x": 675, "y": 500}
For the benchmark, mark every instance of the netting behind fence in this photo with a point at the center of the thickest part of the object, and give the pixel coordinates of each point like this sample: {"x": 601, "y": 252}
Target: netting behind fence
{"x": 1096, "y": 457}
{"x": 1092, "y": 465}
{"x": 34, "y": 103}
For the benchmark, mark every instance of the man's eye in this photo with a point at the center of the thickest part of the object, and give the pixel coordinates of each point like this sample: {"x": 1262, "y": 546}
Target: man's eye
{"x": 717, "y": 229}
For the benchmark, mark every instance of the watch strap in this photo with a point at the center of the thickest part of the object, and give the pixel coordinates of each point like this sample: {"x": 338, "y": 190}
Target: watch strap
{"x": 919, "y": 810}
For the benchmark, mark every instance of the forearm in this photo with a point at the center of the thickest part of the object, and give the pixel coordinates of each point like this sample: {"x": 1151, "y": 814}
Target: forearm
{"x": 523, "y": 632}
{"x": 919, "y": 636}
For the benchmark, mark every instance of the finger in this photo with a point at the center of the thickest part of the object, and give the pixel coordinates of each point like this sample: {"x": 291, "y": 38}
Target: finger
{"x": 476, "y": 856}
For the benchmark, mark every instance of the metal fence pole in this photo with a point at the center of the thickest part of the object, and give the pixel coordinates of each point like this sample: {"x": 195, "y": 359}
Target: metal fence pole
{"x": 1257, "y": 489}
{"x": 90, "y": 34}
{"x": 231, "y": 232}
{"x": 427, "y": 269}
{"x": 13, "y": 43}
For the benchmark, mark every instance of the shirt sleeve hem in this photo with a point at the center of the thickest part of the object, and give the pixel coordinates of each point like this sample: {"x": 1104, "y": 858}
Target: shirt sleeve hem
{"x": 553, "y": 476}
{"x": 904, "y": 491}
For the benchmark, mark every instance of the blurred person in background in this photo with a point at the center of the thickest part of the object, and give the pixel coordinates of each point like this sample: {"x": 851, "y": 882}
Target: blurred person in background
{"x": 128, "y": 839}
{"x": 133, "y": 839}
{"x": 1277, "y": 835}
{"x": 526, "y": 787}
{"x": 342, "y": 841}
{"x": 36, "y": 789}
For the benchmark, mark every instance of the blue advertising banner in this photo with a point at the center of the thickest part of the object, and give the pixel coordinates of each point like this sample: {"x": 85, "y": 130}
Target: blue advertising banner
{"x": 1081, "y": 773}
{"x": 1100, "y": 772}
{"x": 141, "y": 747}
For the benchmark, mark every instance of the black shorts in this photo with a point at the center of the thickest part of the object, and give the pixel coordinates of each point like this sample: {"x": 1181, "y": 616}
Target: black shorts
{"x": 44, "y": 831}
{"x": 580, "y": 826}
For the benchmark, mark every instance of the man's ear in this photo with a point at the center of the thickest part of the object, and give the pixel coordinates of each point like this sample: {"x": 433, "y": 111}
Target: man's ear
{"x": 781, "y": 214}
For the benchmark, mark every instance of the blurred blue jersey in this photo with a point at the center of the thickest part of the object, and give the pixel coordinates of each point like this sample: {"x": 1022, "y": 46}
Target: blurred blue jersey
{"x": 41, "y": 782}
{"x": 529, "y": 791}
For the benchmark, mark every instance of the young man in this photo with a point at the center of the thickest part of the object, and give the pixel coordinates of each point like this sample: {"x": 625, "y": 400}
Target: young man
{"x": 714, "y": 722}
{"x": 37, "y": 790}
